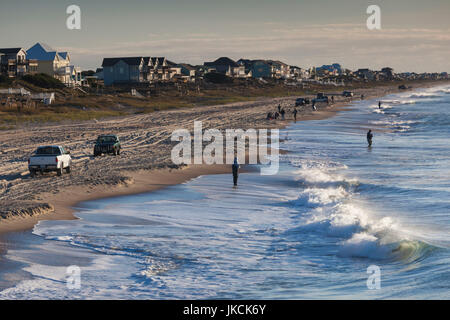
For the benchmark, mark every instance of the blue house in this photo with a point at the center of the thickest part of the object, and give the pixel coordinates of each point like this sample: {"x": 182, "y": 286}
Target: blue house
{"x": 257, "y": 68}
{"x": 123, "y": 70}
{"x": 261, "y": 69}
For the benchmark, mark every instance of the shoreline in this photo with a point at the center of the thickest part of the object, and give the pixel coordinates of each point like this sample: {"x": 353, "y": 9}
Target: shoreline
{"x": 63, "y": 203}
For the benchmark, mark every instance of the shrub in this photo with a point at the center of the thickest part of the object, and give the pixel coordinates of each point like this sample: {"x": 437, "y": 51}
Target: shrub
{"x": 5, "y": 79}
{"x": 44, "y": 81}
{"x": 219, "y": 78}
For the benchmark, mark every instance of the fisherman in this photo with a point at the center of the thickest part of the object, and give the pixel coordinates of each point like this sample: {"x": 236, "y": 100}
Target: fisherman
{"x": 369, "y": 138}
{"x": 235, "y": 168}
{"x": 295, "y": 115}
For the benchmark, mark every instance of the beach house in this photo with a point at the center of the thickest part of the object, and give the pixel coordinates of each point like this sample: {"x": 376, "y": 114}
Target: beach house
{"x": 14, "y": 62}
{"x": 228, "y": 67}
{"x": 279, "y": 70}
{"x": 123, "y": 70}
{"x": 54, "y": 63}
{"x": 256, "y": 68}
{"x": 138, "y": 70}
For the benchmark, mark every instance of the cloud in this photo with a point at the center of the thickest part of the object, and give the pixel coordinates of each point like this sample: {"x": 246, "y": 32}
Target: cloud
{"x": 351, "y": 44}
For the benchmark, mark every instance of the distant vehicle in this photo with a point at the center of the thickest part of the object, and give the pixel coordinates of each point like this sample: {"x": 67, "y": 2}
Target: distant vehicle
{"x": 301, "y": 102}
{"x": 347, "y": 94}
{"x": 321, "y": 97}
{"x": 107, "y": 144}
{"x": 49, "y": 158}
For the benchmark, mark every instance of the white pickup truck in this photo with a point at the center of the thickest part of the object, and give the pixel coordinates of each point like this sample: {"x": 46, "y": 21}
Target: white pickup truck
{"x": 49, "y": 158}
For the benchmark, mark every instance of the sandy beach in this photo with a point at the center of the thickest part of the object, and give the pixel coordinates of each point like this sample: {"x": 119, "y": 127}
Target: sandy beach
{"x": 144, "y": 164}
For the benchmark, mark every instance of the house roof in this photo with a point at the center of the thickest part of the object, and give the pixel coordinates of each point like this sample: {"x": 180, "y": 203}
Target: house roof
{"x": 223, "y": 61}
{"x": 132, "y": 61}
{"x": 10, "y": 50}
{"x": 171, "y": 64}
{"x": 63, "y": 55}
{"x": 276, "y": 62}
{"x": 186, "y": 66}
{"x": 41, "y": 51}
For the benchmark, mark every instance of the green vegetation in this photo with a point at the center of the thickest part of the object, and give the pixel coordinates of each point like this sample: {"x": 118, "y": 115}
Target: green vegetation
{"x": 43, "y": 81}
{"x": 5, "y": 81}
{"x": 217, "y": 78}
{"x": 73, "y": 105}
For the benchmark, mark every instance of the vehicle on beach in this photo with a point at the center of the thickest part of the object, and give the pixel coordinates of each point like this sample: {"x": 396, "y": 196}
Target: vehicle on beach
{"x": 48, "y": 159}
{"x": 321, "y": 97}
{"x": 301, "y": 102}
{"x": 347, "y": 94}
{"x": 107, "y": 144}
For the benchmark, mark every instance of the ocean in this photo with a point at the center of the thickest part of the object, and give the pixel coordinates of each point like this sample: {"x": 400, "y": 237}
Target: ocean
{"x": 336, "y": 210}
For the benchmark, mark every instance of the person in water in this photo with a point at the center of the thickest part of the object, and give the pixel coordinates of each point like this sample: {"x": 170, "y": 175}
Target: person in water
{"x": 379, "y": 105}
{"x": 369, "y": 138}
{"x": 235, "y": 168}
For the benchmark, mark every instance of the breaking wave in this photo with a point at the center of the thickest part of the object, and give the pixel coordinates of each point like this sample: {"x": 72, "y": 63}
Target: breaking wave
{"x": 336, "y": 211}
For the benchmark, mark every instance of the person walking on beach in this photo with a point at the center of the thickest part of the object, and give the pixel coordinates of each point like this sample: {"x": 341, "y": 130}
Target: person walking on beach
{"x": 314, "y": 106}
{"x": 369, "y": 138}
{"x": 295, "y": 115}
{"x": 235, "y": 168}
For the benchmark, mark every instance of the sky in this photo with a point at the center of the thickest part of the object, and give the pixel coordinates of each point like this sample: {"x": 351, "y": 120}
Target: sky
{"x": 414, "y": 35}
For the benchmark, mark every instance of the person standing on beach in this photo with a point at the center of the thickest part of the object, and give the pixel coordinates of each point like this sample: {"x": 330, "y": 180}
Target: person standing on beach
{"x": 379, "y": 105}
{"x": 282, "y": 112}
{"x": 295, "y": 115}
{"x": 314, "y": 106}
{"x": 235, "y": 168}
{"x": 369, "y": 138}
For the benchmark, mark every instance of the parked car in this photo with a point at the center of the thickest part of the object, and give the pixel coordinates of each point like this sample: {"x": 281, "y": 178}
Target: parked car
{"x": 321, "y": 97}
{"x": 301, "y": 102}
{"x": 49, "y": 158}
{"x": 347, "y": 94}
{"x": 107, "y": 144}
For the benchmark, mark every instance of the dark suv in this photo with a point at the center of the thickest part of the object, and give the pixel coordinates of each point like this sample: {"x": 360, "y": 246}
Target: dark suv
{"x": 107, "y": 144}
{"x": 301, "y": 102}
